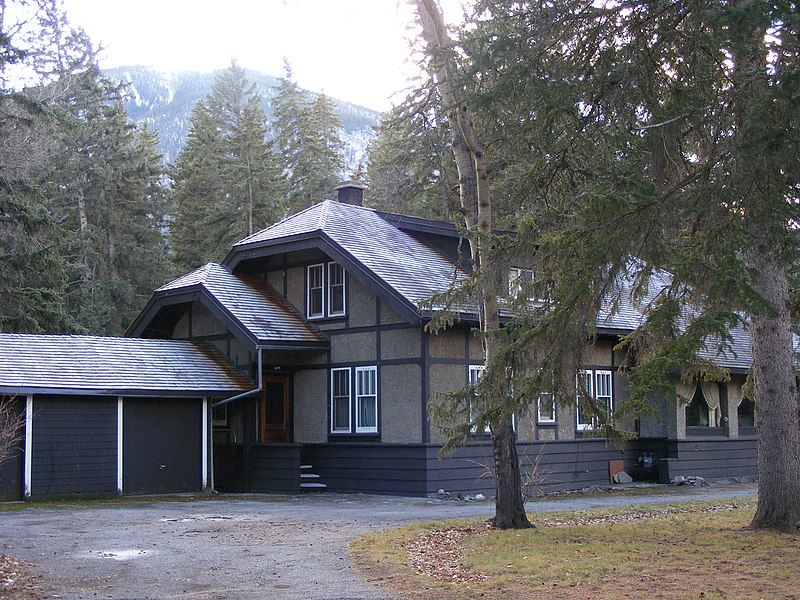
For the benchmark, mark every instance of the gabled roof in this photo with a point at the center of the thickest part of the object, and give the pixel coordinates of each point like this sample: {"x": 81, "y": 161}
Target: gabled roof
{"x": 400, "y": 263}
{"x": 248, "y": 304}
{"x": 53, "y": 364}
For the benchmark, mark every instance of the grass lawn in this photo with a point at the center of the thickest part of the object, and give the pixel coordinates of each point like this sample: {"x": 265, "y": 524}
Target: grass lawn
{"x": 685, "y": 550}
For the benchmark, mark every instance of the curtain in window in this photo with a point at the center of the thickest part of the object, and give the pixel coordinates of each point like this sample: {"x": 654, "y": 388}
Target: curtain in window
{"x": 735, "y": 394}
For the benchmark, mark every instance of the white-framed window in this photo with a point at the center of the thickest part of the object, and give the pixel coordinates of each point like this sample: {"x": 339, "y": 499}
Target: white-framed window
{"x": 598, "y": 385}
{"x": 315, "y": 285}
{"x": 517, "y": 278}
{"x": 366, "y": 399}
{"x": 340, "y": 400}
{"x": 475, "y": 374}
{"x": 336, "y": 290}
{"x": 545, "y": 408}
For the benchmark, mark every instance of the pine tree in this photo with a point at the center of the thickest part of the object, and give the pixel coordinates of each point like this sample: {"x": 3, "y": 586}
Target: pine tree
{"x": 307, "y": 137}
{"x": 227, "y": 181}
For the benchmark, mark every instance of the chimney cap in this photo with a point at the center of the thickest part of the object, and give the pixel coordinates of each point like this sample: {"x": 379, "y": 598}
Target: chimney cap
{"x": 351, "y": 183}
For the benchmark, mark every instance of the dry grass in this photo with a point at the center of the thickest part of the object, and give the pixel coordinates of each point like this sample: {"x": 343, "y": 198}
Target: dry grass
{"x": 16, "y": 582}
{"x": 687, "y": 550}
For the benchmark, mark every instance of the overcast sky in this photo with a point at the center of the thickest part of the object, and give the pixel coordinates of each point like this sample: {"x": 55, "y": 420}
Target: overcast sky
{"x": 356, "y": 50}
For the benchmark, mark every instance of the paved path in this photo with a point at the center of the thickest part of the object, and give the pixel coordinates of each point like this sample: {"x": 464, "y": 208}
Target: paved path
{"x": 247, "y": 547}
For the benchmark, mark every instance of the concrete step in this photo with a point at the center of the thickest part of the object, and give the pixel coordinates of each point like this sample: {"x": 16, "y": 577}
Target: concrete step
{"x": 309, "y": 476}
{"x": 312, "y": 487}
{"x": 304, "y": 467}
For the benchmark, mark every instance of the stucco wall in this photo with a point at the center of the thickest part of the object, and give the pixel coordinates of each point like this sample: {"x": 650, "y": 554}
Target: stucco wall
{"x": 311, "y": 406}
{"x": 449, "y": 343}
{"x": 360, "y": 304}
{"x": 401, "y": 343}
{"x": 354, "y": 347}
{"x": 401, "y": 403}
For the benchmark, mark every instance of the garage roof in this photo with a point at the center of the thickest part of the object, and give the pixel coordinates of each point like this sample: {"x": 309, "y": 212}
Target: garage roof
{"x": 66, "y": 364}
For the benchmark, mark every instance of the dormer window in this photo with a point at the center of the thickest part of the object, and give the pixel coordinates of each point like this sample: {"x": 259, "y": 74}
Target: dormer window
{"x": 517, "y": 278}
{"x": 326, "y": 294}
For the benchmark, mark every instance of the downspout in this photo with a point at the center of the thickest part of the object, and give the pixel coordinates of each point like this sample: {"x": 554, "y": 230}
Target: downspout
{"x": 249, "y": 393}
{"x": 253, "y": 392}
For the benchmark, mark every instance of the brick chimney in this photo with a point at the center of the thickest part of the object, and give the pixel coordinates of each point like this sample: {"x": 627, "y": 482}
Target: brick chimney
{"x": 351, "y": 192}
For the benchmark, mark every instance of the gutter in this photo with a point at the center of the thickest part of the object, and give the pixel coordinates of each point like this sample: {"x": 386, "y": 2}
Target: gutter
{"x": 252, "y": 392}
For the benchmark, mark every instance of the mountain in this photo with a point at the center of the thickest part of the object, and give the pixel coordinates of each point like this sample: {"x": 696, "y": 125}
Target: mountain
{"x": 164, "y": 100}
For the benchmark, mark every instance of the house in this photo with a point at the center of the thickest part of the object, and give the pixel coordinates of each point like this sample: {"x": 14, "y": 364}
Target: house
{"x": 311, "y": 369}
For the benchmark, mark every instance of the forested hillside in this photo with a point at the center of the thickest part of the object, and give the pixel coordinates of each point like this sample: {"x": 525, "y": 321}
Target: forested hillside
{"x": 165, "y": 100}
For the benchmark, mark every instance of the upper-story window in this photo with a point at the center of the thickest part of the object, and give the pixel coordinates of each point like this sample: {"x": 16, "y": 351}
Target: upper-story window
{"x": 316, "y": 291}
{"x": 335, "y": 290}
{"x": 517, "y": 278}
{"x": 597, "y": 385}
{"x": 546, "y": 408}
{"x": 326, "y": 291}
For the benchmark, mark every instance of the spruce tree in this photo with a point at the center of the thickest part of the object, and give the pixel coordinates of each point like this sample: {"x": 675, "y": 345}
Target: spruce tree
{"x": 227, "y": 181}
{"x": 307, "y": 135}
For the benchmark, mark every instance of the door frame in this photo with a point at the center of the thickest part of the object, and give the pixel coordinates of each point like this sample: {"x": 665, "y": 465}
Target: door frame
{"x": 287, "y": 429}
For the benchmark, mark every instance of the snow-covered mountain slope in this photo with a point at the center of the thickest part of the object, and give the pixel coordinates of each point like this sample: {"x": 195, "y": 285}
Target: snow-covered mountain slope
{"x": 165, "y": 100}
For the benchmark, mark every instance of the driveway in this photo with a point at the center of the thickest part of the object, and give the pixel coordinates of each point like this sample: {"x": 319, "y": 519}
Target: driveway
{"x": 242, "y": 547}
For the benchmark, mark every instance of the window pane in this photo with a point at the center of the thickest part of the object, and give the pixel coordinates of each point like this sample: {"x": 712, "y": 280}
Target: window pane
{"x": 335, "y": 289}
{"x": 547, "y": 408}
{"x": 367, "y": 412}
{"x": 341, "y": 382}
{"x": 341, "y": 413}
{"x": 315, "y": 290}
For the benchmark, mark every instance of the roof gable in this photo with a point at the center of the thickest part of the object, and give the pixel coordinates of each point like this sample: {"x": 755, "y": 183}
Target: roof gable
{"x": 249, "y": 305}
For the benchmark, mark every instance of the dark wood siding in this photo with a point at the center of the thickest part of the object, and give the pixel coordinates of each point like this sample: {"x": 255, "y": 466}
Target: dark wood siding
{"x": 162, "y": 447}
{"x": 398, "y": 469}
{"x": 260, "y": 468}
{"x": 556, "y": 465}
{"x": 720, "y": 458}
{"x": 11, "y": 468}
{"x": 74, "y": 446}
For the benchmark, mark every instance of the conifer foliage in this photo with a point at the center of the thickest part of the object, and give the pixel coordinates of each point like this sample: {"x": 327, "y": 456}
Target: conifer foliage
{"x": 227, "y": 182}
{"x": 82, "y": 202}
{"x": 307, "y": 133}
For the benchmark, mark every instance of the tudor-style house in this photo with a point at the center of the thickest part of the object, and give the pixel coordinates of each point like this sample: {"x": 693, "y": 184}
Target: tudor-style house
{"x": 302, "y": 362}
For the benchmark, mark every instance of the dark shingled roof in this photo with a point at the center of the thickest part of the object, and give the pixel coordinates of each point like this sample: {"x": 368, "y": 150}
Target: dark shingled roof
{"x": 251, "y": 302}
{"x": 416, "y": 271}
{"x": 41, "y": 364}
{"x": 407, "y": 265}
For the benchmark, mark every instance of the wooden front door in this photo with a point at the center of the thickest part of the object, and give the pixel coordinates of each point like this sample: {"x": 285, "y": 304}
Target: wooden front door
{"x": 274, "y": 415}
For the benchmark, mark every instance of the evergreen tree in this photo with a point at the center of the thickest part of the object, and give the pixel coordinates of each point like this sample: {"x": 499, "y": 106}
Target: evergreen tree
{"x": 227, "y": 182}
{"x": 656, "y": 137}
{"x": 307, "y": 134}
{"x": 93, "y": 183}
{"x": 410, "y": 167}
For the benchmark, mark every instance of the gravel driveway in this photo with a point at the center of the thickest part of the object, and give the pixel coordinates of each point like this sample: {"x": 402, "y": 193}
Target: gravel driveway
{"x": 246, "y": 547}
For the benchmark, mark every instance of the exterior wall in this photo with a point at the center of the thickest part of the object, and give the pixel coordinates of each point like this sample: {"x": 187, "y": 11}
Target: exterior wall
{"x": 11, "y": 470}
{"x": 198, "y": 323}
{"x": 311, "y": 405}
{"x": 258, "y": 468}
{"x": 401, "y": 403}
{"x": 712, "y": 458}
{"x": 74, "y": 449}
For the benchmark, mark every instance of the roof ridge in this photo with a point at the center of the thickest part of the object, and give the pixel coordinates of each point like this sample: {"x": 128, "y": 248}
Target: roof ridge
{"x": 276, "y": 223}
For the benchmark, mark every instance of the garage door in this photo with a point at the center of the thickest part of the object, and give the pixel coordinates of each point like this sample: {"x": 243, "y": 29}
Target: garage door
{"x": 74, "y": 446}
{"x": 11, "y": 466}
{"x": 161, "y": 446}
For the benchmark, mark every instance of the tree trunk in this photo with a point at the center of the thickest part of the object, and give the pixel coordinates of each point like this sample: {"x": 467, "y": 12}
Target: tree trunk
{"x": 777, "y": 422}
{"x": 476, "y": 206}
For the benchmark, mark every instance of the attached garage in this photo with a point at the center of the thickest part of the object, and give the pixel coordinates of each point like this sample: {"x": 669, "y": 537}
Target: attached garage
{"x": 111, "y": 416}
{"x": 162, "y": 447}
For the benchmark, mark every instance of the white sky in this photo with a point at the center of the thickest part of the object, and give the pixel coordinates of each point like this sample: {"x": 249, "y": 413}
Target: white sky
{"x": 356, "y": 50}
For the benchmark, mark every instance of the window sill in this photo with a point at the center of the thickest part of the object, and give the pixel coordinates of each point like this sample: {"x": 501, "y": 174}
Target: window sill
{"x": 336, "y": 319}
{"x": 546, "y": 423}
{"x": 348, "y": 436}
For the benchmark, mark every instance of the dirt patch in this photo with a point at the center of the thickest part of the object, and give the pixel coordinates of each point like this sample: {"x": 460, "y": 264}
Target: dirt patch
{"x": 16, "y": 581}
